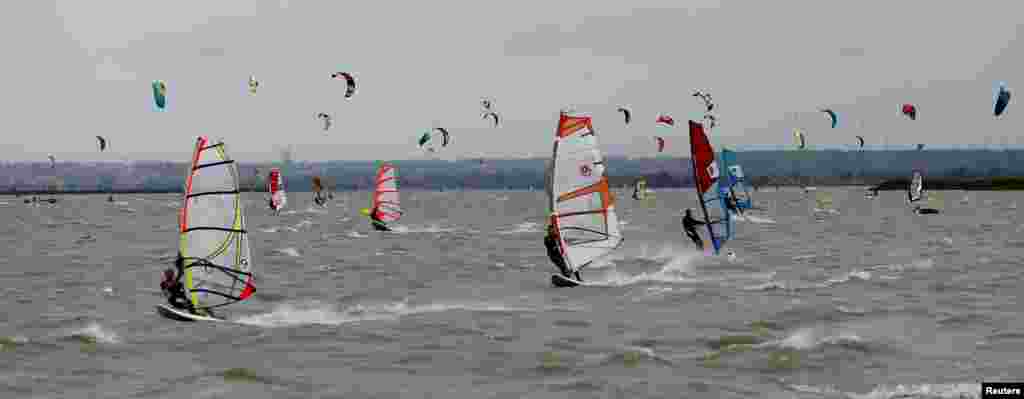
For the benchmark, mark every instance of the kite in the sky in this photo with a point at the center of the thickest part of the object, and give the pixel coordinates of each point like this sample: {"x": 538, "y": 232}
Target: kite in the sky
{"x": 327, "y": 119}
{"x": 434, "y": 139}
{"x": 801, "y": 142}
{"x": 350, "y": 82}
{"x": 706, "y": 98}
{"x": 160, "y": 94}
{"x": 493, "y": 116}
{"x": 832, "y": 114}
{"x": 253, "y": 84}
{"x": 910, "y": 111}
{"x": 1002, "y": 99}
{"x": 625, "y": 113}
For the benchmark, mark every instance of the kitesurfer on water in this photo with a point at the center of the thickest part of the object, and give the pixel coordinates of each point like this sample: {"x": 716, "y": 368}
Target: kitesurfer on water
{"x": 173, "y": 289}
{"x": 690, "y": 229}
{"x": 551, "y": 242}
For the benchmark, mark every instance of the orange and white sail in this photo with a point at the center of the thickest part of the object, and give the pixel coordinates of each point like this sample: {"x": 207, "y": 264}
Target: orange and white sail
{"x": 582, "y": 206}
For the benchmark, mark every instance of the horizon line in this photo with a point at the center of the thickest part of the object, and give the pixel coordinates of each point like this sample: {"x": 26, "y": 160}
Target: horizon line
{"x": 978, "y": 148}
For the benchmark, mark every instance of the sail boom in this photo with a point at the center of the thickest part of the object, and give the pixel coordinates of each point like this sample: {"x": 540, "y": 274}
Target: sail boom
{"x": 193, "y": 195}
{"x": 207, "y": 165}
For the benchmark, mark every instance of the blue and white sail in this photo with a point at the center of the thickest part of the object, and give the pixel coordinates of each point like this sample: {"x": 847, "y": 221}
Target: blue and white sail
{"x": 736, "y": 180}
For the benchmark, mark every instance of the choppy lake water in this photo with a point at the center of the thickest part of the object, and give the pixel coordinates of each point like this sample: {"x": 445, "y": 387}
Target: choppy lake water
{"x": 868, "y": 301}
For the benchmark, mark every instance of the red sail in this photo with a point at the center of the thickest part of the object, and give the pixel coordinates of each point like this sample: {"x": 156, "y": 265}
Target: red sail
{"x": 274, "y": 181}
{"x": 705, "y": 169}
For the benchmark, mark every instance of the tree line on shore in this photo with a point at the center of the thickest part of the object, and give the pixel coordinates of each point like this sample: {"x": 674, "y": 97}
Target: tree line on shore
{"x": 957, "y": 169}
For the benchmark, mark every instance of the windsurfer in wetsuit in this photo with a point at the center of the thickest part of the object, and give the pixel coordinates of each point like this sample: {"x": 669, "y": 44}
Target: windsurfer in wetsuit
{"x": 690, "y": 229}
{"x": 730, "y": 203}
{"x": 173, "y": 289}
{"x": 378, "y": 224}
{"x": 554, "y": 252}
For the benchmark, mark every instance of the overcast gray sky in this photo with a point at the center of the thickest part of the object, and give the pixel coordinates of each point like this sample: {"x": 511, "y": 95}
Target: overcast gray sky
{"x": 74, "y": 69}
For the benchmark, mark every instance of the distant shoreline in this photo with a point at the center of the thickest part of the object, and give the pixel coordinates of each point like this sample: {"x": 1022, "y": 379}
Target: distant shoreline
{"x": 882, "y": 184}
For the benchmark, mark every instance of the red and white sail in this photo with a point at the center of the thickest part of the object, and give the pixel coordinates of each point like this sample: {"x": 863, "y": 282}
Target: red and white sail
{"x": 275, "y": 186}
{"x": 385, "y": 194}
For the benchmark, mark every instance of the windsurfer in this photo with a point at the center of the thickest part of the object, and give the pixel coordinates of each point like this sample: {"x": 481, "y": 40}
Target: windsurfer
{"x": 173, "y": 289}
{"x": 378, "y": 224}
{"x": 690, "y": 229}
{"x": 551, "y": 242}
{"x": 730, "y": 203}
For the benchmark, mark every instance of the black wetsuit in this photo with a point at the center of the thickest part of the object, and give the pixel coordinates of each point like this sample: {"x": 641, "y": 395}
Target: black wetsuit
{"x": 175, "y": 290}
{"x": 730, "y": 204}
{"x": 690, "y": 229}
{"x": 556, "y": 256}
